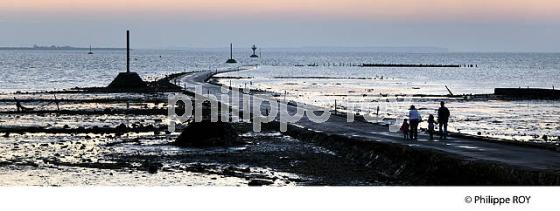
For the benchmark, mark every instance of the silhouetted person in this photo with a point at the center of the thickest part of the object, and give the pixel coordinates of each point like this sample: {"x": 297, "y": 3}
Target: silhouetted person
{"x": 443, "y": 119}
{"x": 405, "y": 128}
{"x": 431, "y": 126}
{"x": 415, "y": 119}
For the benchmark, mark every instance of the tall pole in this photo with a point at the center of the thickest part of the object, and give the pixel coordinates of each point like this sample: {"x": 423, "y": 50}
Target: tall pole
{"x": 127, "y": 51}
{"x": 231, "y": 50}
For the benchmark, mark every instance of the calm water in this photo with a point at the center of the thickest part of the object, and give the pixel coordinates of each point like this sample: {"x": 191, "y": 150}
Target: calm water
{"x": 39, "y": 70}
{"x": 525, "y": 120}
{"x": 49, "y": 70}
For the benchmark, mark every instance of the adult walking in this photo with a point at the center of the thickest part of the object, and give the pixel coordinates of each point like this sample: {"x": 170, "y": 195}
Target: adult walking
{"x": 415, "y": 119}
{"x": 443, "y": 119}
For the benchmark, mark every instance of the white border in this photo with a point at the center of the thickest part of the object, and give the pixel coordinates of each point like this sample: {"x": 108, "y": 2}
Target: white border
{"x": 270, "y": 199}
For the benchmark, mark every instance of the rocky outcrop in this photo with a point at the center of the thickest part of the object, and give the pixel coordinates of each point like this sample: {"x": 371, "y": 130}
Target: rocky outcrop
{"x": 260, "y": 182}
{"x": 207, "y": 134}
{"x": 127, "y": 81}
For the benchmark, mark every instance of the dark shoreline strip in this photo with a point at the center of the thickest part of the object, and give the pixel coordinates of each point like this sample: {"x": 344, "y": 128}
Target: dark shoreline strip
{"x": 92, "y": 112}
{"x": 320, "y": 77}
{"x": 528, "y": 93}
{"x": 81, "y": 130}
{"x": 98, "y": 100}
{"x": 409, "y": 65}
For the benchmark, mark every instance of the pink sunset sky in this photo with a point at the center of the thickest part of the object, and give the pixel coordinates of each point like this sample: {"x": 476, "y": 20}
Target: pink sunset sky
{"x": 373, "y": 22}
{"x": 384, "y": 9}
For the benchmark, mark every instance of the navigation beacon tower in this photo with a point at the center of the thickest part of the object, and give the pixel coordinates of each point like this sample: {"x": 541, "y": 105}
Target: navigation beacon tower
{"x": 254, "y": 48}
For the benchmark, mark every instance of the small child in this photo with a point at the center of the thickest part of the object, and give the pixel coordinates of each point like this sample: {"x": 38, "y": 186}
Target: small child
{"x": 431, "y": 126}
{"x": 405, "y": 128}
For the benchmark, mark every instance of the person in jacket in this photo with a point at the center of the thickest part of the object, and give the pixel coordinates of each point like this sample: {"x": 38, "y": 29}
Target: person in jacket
{"x": 415, "y": 119}
{"x": 443, "y": 119}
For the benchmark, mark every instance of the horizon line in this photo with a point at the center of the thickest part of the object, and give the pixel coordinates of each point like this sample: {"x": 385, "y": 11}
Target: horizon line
{"x": 376, "y": 49}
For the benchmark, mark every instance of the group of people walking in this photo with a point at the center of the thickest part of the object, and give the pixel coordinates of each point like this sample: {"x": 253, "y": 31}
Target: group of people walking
{"x": 409, "y": 128}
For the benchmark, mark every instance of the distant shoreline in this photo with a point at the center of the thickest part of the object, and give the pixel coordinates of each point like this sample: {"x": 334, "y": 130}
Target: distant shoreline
{"x": 279, "y": 49}
{"x": 58, "y": 48}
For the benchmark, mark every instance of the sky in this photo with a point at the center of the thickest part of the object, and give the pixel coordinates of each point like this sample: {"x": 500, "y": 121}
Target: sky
{"x": 459, "y": 25}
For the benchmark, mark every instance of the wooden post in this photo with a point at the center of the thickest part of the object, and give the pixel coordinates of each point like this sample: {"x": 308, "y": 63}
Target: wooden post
{"x": 448, "y": 90}
{"x": 335, "y": 107}
{"x": 57, "y": 103}
{"x": 127, "y": 51}
{"x": 231, "y": 50}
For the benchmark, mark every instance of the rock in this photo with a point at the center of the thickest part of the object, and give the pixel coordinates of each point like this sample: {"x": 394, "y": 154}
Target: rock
{"x": 121, "y": 128}
{"x": 7, "y": 135}
{"x": 127, "y": 81}
{"x": 230, "y": 171}
{"x": 260, "y": 182}
{"x": 152, "y": 169}
{"x": 207, "y": 134}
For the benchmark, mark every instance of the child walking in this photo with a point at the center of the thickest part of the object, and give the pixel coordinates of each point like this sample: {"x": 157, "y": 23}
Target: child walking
{"x": 431, "y": 126}
{"x": 405, "y": 129}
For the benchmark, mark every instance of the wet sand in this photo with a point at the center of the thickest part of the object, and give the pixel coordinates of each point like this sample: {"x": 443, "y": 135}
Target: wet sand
{"x": 107, "y": 142}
